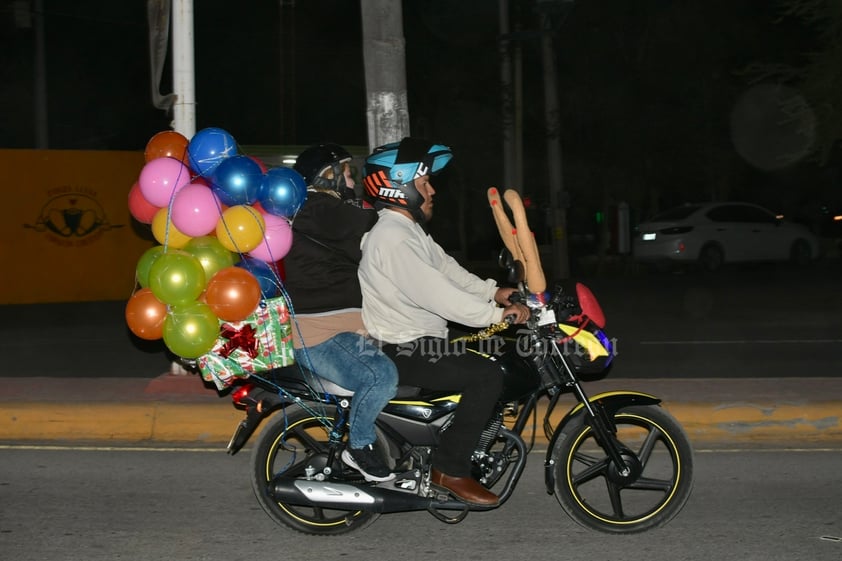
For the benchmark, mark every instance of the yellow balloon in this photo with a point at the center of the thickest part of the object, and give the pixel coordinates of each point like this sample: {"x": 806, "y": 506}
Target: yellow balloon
{"x": 240, "y": 228}
{"x": 165, "y": 231}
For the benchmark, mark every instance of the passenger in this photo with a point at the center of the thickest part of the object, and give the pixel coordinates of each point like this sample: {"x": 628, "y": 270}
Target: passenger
{"x": 321, "y": 279}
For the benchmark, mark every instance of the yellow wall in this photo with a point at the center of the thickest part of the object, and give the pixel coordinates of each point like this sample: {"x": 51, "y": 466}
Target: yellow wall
{"x": 66, "y": 234}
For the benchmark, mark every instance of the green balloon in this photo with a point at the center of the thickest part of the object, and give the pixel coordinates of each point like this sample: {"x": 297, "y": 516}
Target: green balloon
{"x": 190, "y": 330}
{"x": 211, "y": 254}
{"x": 176, "y": 277}
{"x": 145, "y": 263}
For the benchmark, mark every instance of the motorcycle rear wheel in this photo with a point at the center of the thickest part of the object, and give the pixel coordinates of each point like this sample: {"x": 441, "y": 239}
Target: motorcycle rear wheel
{"x": 590, "y": 490}
{"x": 289, "y": 443}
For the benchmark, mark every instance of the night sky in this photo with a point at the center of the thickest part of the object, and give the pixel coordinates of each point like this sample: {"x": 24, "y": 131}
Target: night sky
{"x": 648, "y": 91}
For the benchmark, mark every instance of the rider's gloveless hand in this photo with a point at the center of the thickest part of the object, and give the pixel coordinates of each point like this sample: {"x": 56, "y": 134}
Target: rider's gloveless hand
{"x": 502, "y": 295}
{"x": 519, "y": 312}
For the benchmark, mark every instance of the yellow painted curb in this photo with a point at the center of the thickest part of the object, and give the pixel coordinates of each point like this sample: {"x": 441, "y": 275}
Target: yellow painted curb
{"x": 741, "y": 421}
{"x": 123, "y": 422}
{"x": 158, "y": 421}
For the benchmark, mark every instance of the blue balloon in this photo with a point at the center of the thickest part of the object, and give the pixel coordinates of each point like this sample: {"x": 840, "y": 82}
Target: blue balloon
{"x": 208, "y": 148}
{"x": 282, "y": 192}
{"x": 236, "y": 180}
{"x": 267, "y": 275}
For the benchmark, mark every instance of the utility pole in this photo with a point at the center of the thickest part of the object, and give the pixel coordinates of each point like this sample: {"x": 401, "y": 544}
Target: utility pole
{"x": 511, "y": 81}
{"x": 507, "y": 101}
{"x": 286, "y": 95}
{"x": 552, "y": 114}
{"x": 184, "y": 72}
{"x": 387, "y": 108}
{"x": 42, "y": 141}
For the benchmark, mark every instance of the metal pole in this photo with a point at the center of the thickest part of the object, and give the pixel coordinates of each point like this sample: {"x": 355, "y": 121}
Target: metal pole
{"x": 552, "y": 114}
{"x": 506, "y": 88}
{"x": 41, "y": 129}
{"x": 184, "y": 79}
{"x": 517, "y": 174}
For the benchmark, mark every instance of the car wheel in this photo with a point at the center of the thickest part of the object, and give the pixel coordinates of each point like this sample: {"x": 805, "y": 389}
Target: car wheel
{"x": 800, "y": 253}
{"x": 711, "y": 258}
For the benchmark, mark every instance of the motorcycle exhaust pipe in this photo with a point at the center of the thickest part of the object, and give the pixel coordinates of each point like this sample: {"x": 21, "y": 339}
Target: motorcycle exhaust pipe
{"x": 348, "y": 496}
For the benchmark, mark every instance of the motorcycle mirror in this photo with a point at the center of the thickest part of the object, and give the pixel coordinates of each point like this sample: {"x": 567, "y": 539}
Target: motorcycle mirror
{"x": 505, "y": 259}
{"x": 515, "y": 273}
{"x": 514, "y": 268}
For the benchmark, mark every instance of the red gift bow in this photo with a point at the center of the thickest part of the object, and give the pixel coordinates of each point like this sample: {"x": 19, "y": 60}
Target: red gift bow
{"x": 238, "y": 339}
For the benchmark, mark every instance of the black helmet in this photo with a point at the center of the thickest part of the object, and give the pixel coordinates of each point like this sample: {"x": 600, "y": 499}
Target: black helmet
{"x": 313, "y": 161}
{"x": 391, "y": 169}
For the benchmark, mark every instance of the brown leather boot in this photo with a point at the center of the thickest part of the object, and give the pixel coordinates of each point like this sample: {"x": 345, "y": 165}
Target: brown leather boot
{"x": 466, "y": 489}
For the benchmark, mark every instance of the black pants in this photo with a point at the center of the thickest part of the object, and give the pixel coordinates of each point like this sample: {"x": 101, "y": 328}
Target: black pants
{"x": 433, "y": 363}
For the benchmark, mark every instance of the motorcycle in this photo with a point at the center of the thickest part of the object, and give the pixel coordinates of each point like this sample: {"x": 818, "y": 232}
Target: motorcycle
{"x": 616, "y": 462}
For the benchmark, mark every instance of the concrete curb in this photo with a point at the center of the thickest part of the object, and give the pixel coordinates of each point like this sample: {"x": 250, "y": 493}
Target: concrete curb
{"x": 213, "y": 422}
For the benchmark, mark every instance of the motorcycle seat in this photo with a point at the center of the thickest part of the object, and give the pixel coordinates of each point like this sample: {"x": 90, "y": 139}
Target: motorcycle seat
{"x": 297, "y": 376}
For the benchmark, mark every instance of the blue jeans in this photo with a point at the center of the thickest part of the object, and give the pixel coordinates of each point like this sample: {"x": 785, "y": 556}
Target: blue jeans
{"x": 355, "y": 363}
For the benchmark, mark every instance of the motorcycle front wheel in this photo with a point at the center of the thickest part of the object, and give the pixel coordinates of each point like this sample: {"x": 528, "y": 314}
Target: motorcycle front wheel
{"x": 292, "y": 441}
{"x": 595, "y": 494}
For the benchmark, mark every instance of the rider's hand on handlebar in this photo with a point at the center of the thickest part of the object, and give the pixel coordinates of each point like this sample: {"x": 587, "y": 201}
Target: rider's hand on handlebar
{"x": 502, "y": 296}
{"x": 516, "y": 313}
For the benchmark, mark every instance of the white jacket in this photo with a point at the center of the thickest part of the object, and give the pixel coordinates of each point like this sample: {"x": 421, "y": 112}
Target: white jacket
{"x": 411, "y": 287}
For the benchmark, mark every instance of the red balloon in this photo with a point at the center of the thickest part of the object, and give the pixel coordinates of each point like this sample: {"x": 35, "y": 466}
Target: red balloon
{"x": 145, "y": 315}
{"x": 167, "y": 144}
{"x": 260, "y": 163}
{"x": 233, "y": 293}
{"x": 142, "y": 210}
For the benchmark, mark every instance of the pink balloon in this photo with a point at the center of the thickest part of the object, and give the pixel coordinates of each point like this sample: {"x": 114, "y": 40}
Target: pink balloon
{"x": 161, "y": 178}
{"x": 195, "y": 210}
{"x": 277, "y": 239}
{"x": 139, "y": 207}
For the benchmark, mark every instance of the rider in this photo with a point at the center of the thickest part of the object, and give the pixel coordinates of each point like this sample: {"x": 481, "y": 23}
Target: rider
{"x": 411, "y": 288}
{"x": 321, "y": 279}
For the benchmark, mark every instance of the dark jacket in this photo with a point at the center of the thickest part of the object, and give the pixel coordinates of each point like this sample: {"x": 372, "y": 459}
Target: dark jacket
{"x": 321, "y": 266}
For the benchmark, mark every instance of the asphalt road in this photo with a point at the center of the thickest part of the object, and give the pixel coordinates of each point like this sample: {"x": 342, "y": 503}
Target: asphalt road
{"x": 103, "y": 504}
{"x": 751, "y": 321}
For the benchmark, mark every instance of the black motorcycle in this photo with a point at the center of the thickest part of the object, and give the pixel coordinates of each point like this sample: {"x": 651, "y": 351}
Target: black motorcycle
{"x": 617, "y": 462}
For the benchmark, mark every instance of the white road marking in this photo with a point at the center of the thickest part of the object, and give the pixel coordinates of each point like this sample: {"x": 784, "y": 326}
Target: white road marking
{"x": 747, "y": 341}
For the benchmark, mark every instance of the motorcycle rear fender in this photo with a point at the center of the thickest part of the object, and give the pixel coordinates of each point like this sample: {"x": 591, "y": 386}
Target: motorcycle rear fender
{"x": 270, "y": 404}
{"x": 611, "y": 402}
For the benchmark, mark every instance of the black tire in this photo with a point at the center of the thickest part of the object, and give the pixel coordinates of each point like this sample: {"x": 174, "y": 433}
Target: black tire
{"x": 800, "y": 254}
{"x": 591, "y": 493}
{"x": 711, "y": 258}
{"x": 288, "y": 444}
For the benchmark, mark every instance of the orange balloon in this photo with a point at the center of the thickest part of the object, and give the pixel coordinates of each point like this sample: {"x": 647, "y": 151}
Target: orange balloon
{"x": 167, "y": 144}
{"x": 145, "y": 315}
{"x": 233, "y": 293}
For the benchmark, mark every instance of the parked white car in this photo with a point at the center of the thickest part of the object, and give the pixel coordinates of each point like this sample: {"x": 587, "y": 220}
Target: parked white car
{"x": 712, "y": 234}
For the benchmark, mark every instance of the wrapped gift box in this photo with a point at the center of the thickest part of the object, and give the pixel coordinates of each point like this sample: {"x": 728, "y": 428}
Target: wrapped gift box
{"x": 261, "y": 342}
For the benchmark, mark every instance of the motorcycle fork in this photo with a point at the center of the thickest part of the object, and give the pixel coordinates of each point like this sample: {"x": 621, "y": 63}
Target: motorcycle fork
{"x": 595, "y": 415}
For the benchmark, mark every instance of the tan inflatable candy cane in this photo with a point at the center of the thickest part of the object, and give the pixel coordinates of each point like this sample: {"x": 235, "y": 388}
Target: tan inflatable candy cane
{"x": 504, "y": 226}
{"x": 519, "y": 239}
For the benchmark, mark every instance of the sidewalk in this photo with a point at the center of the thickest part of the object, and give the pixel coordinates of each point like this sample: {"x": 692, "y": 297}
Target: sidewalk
{"x": 181, "y": 409}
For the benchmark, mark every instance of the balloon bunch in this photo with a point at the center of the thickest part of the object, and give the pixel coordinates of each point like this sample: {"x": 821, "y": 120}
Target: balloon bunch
{"x": 222, "y": 220}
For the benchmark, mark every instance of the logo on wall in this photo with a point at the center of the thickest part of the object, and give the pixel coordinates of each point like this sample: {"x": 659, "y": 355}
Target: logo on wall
{"x": 72, "y": 218}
